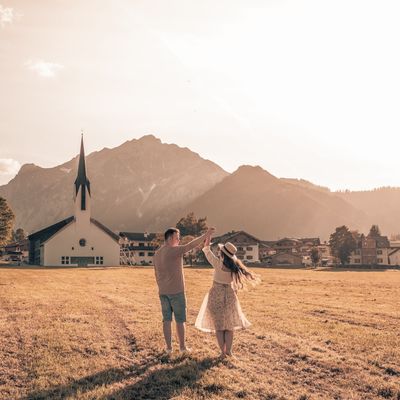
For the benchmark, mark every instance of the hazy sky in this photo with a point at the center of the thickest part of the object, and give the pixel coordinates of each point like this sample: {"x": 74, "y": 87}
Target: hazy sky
{"x": 305, "y": 88}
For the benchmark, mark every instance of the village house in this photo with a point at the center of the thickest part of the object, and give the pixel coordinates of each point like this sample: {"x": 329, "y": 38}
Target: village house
{"x": 16, "y": 251}
{"x": 286, "y": 251}
{"x": 293, "y": 251}
{"x": 78, "y": 240}
{"x": 300, "y": 246}
{"x": 287, "y": 245}
{"x": 371, "y": 250}
{"x": 287, "y": 258}
{"x": 248, "y": 246}
{"x": 137, "y": 248}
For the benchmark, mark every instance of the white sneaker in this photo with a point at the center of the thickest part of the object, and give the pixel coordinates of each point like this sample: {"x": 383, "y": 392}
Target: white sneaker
{"x": 186, "y": 350}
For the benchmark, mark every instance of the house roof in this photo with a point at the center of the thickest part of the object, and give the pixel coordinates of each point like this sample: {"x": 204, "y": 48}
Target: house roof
{"x": 268, "y": 242}
{"x": 382, "y": 242}
{"x": 267, "y": 246}
{"x": 136, "y": 236}
{"x": 286, "y": 239}
{"x": 315, "y": 241}
{"x": 47, "y": 233}
{"x": 142, "y": 248}
{"x": 230, "y": 235}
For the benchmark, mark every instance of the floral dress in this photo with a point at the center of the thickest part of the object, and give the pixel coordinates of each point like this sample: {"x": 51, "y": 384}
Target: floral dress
{"x": 220, "y": 309}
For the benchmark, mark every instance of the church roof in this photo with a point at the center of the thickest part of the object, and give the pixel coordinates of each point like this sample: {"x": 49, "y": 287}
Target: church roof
{"x": 105, "y": 229}
{"x": 47, "y": 233}
{"x": 81, "y": 179}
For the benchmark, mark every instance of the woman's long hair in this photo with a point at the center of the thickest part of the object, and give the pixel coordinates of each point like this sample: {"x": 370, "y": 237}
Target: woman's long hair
{"x": 241, "y": 274}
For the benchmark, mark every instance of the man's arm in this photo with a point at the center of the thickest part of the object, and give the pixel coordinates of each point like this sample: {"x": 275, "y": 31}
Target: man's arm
{"x": 194, "y": 243}
{"x": 155, "y": 261}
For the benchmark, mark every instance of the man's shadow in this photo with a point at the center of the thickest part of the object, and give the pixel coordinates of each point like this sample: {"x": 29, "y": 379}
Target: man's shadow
{"x": 163, "y": 383}
{"x": 168, "y": 382}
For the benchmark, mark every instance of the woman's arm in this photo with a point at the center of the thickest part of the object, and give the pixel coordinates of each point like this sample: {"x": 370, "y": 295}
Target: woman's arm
{"x": 211, "y": 257}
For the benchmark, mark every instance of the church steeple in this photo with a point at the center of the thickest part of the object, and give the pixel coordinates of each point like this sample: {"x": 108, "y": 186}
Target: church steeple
{"x": 81, "y": 181}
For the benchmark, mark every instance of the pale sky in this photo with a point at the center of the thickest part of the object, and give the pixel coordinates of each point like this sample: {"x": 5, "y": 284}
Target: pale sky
{"x": 304, "y": 88}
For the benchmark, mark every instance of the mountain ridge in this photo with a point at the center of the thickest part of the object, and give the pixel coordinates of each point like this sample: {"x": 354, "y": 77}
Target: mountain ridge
{"x": 145, "y": 184}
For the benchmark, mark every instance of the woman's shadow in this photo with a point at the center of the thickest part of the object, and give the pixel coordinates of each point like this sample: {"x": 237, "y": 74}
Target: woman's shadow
{"x": 163, "y": 383}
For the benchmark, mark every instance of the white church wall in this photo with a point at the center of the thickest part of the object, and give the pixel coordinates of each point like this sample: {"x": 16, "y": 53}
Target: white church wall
{"x": 65, "y": 243}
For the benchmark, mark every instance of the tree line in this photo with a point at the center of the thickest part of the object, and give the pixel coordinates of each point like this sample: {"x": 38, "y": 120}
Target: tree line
{"x": 7, "y": 218}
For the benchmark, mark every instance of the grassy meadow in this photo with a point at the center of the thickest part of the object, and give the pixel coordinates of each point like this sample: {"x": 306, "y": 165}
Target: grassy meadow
{"x": 96, "y": 334}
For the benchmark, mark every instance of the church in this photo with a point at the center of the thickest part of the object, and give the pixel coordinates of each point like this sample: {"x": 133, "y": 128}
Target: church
{"x": 78, "y": 240}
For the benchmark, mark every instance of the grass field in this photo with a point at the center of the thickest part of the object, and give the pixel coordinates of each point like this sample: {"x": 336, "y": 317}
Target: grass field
{"x": 96, "y": 334}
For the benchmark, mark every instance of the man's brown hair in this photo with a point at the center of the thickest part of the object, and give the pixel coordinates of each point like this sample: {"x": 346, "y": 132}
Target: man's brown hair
{"x": 169, "y": 232}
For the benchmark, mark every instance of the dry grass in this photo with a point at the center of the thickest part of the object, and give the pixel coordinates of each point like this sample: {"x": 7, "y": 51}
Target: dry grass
{"x": 96, "y": 334}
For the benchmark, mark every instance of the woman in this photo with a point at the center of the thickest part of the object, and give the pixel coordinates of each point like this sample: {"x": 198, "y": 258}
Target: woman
{"x": 221, "y": 312}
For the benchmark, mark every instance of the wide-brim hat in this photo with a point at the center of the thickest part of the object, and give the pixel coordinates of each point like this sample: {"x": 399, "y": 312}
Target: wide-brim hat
{"x": 229, "y": 249}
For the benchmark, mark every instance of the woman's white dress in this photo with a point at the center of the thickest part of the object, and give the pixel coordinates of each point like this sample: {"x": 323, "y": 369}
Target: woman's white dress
{"x": 220, "y": 309}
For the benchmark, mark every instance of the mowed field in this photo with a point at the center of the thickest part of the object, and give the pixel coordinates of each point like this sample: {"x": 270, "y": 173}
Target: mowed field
{"x": 96, "y": 334}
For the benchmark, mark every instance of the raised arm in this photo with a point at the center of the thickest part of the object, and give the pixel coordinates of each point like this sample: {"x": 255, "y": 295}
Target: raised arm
{"x": 211, "y": 257}
{"x": 194, "y": 243}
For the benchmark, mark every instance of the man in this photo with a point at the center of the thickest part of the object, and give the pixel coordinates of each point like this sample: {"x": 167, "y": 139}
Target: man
{"x": 168, "y": 267}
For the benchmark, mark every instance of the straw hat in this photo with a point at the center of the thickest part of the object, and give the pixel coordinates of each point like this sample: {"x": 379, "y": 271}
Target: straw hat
{"x": 229, "y": 249}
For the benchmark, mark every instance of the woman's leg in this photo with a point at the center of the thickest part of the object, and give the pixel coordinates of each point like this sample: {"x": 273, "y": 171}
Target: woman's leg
{"x": 228, "y": 338}
{"x": 221, "y": 341}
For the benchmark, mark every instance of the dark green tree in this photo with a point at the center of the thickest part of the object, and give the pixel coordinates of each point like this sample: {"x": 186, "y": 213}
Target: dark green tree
{"x": 6, "y": 222}
{"x": 192, "y": 226}
{"x": 19, "y": 235}
{"x": 314, "y": 255}
{"x": 342, "y": 244}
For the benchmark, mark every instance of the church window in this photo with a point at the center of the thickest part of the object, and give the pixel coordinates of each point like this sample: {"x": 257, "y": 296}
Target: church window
{"x": 65, "y": 260}
{"x": 82, "y": 242}
{"x": 99, "y": 260}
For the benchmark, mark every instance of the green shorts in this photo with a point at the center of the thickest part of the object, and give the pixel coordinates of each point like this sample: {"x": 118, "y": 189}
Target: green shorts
{"x": 173, "y": 304}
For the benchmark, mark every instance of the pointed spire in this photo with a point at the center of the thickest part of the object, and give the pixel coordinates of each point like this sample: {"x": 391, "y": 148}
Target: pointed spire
{"x": 81, "y": 179}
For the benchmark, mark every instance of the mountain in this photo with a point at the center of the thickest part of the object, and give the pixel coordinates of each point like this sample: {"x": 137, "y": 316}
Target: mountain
{"x": 382, "y": 206}
{"x": 306, "y": 184}
{"x": 138, "y": 186}
{"x": 256, "y": 201}
{"x": 147, "y": 185}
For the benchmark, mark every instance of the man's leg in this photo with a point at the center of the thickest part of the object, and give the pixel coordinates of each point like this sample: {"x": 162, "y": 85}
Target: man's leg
{"x": 180, "y": 330}
{"x": 168, "y": 334}
{"x": 178, "y": 303}
{"x": 167, "y": 320}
